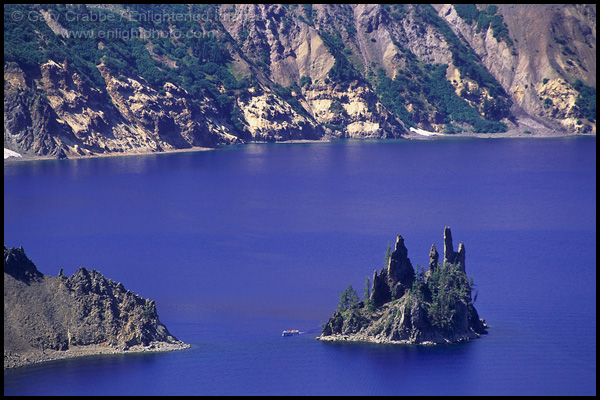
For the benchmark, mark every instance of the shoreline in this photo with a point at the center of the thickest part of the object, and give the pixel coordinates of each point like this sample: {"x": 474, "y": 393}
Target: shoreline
{"x": 412, "y": 135}
{"x": 25, "y": 157}
{"x": 36, "y": 357}
{"x": 369, "y": 339}
{"x": 420, "y": 134}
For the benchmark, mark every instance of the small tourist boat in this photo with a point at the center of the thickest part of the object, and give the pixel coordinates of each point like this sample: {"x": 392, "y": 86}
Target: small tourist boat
{"x": 291, "y": 332}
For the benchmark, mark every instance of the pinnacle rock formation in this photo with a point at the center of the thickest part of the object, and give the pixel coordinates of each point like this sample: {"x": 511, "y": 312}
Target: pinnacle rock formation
{"x": 394, "y": 280}
{"x": 407, "y": 307}
{"x": 450, "y": 256}
{"x": 433, "y": 258}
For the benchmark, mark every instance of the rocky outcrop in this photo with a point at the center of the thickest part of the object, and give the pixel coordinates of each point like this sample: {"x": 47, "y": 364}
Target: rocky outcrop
{"x": 270, "y": 119}
{"x": 393, "y": 281}
{"x": 48, "y": 317}
{"x": 427, "y": 307}
{"x": 433, "y": 258}
{"x": 350, "y": 111}
{"x": 450, "y": 256}
{"x": 17, "y": 265}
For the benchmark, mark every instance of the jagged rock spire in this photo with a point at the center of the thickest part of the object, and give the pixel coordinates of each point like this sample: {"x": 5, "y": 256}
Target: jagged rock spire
{"x": 396, "y": 278}
{"x": 399, "y": 275}
{"x": 399, "y": 266}
{"x": 380, "y": 292}
{"x": 460, "y": 256}
{"x": 450, "y": 256}
{"x": 433, "y": 258}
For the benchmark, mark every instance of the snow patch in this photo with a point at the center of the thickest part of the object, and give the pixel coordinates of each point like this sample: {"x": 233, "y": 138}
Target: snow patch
{"x": 424, "y": 132}
{"x": 10, "y": 153}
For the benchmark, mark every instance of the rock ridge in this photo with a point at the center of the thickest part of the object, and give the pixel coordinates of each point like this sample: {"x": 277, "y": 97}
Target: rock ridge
{"x": 48, "y": 317}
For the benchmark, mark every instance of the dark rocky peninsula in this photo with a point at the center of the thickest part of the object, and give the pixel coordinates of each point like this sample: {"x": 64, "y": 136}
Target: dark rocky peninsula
{"x": 48, "y": 317}
{"x": 404, "y": 306}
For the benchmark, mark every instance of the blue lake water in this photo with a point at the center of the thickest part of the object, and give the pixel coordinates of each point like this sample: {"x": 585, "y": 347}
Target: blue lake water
{"x": 238, "y": 244}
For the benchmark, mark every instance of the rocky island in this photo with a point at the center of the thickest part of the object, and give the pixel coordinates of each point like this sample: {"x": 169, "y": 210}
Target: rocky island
{"x": 404, "y": 306}
{"x": 48, "y": 317}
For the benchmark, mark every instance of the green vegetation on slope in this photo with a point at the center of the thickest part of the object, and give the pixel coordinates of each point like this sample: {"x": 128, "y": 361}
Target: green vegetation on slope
{"x": 485, "y": 19}
{"x": 193, "y": 57}
{"x": 463, "y": 58}
{"x": 342, "y": 71}
{"x": 424, "y": 89}
{"x": 448, "y": 286}
{"x": 586, "y": 100}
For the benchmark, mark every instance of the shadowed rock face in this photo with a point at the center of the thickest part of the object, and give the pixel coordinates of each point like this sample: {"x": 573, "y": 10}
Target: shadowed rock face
{"x": 431, "y": 307}
{"x": 17, "y": 265}
{"x": 400, "y": 269}
{"x": 43, "y": 313}
{"x": 433, "y": 258}
{"x": 396, "y": 278}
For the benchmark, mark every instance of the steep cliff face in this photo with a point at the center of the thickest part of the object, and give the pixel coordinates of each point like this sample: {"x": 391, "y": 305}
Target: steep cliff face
{"x": 65, "y": 116}
{"x": 100, "y": 79}
{"x": 48, "y": 317}
{"x": 433, "y": 306}
{"x": 548, "y": 47}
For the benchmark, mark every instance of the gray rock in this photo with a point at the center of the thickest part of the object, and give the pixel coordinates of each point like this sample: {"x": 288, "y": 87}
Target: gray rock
{"x": 449, "y": 254}
{"x": 460, "y": 257}
{"x": 393, "y": 281}
{"x": 433, "y": 258}
{"x": 17, "y": 265}
{"x": 400, "y": 269}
